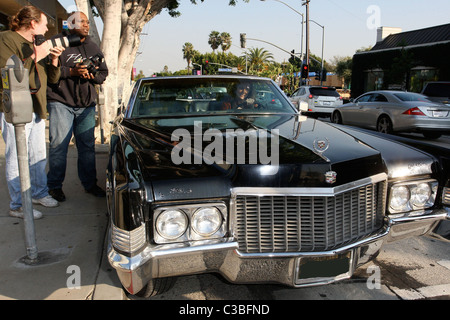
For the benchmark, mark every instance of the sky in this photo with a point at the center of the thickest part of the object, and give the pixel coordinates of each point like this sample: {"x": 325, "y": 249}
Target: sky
{"x": 347, "y": 25}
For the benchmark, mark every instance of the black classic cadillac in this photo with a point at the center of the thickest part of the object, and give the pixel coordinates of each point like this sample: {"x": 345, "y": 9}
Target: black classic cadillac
{"x": 222, "y": 174}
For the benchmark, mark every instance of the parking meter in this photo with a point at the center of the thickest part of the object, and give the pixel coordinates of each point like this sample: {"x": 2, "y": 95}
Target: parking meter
{"x": 17, "y": 101}
{"x": 18, "y": 110}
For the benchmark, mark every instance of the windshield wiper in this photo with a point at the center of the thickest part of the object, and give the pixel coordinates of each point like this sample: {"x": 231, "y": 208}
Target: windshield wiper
{"x": 236, "y": 119}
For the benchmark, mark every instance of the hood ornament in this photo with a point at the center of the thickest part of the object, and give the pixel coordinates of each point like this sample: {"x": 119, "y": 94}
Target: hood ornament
{"x": 321, "y": 145}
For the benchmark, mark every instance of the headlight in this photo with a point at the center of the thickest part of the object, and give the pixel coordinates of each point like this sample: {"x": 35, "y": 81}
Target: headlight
{"x": 410, "y": 196}
{"x": 206, "y": 221}
{"x": 171, "y": 224}
{"x": 399, "y": 197}
{"x": 190, "y": 222}
{"x": 420, "y": 194}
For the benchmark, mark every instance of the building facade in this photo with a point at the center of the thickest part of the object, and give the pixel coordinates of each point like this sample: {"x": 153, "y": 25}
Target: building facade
{"x": 403, "y": 60}
{"x": 55, "y": 12}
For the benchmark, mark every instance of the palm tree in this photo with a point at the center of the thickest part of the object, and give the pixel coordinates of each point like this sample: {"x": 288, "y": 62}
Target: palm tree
{"x": 214, "y": 40}
{"x": 188, "y": 53}
{"x": 225, "y": 39}
{"x": 258, "y": 57}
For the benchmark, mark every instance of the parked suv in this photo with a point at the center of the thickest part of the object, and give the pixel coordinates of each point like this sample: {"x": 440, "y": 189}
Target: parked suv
{"x": 438, "y": 91}
{"x": 321, "y": 100}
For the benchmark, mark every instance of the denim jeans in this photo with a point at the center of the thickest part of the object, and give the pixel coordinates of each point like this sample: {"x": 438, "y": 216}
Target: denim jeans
{"x": 35, "y": 137}
{"x": 65, "y": 121}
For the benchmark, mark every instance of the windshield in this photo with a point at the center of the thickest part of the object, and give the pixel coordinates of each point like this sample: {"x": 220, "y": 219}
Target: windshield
{"x": 205, "y": 95}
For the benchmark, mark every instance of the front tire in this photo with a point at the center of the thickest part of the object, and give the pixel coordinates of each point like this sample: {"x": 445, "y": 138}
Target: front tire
{"x": 156, "y": 286}
{"x": 336, "y": 118}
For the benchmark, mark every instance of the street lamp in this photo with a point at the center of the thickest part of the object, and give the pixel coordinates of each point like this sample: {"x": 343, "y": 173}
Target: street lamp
{"x": 303, "y": 22}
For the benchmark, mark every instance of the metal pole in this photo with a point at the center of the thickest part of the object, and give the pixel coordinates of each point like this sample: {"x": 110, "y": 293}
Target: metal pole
{"x": 25, "y": 185}
{"x": 301, "y": 44}
{"x": 321, "y": 71}
{"x": 307, "y": 32}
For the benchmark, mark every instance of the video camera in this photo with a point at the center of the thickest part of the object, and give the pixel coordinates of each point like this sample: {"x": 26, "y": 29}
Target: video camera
{"x": 92, "y": 63}
{"x": 70, "y": 40}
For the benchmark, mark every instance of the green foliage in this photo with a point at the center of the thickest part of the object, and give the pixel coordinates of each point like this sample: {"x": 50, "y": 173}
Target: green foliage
{"x": 343, "y": 69}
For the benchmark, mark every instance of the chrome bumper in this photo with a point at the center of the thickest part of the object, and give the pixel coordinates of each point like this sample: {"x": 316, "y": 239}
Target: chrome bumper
{"x": 223, "y": 256}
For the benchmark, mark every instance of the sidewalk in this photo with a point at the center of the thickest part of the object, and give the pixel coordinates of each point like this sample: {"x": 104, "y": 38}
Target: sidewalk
{"x": 70, "y": 241}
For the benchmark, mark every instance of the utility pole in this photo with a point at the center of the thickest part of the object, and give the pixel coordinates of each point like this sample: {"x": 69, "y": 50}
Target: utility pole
{"x": 306, "y": 3}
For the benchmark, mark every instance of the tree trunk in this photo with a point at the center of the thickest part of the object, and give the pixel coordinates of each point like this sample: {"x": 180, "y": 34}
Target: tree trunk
{"x": 127, "y": 19}
{"x": 110, "y": 46}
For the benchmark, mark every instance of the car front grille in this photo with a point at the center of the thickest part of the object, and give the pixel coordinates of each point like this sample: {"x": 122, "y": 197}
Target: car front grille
{"x": 265, "y": 223}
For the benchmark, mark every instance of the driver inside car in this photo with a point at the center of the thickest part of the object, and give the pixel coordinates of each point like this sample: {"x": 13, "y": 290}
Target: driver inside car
{"x": 243, "y": 98}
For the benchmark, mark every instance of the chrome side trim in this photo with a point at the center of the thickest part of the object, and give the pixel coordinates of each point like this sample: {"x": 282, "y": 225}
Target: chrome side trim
{"x": 446, "y": 196}
{"x": 128, "y": 241}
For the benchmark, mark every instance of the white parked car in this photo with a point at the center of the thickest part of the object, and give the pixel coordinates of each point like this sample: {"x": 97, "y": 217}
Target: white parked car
{"x": 321, "y": 100}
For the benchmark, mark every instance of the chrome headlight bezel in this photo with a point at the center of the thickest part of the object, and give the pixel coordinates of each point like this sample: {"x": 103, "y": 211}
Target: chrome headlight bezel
{"x": 193, "y": 231}
{"x": 410, "y": 196}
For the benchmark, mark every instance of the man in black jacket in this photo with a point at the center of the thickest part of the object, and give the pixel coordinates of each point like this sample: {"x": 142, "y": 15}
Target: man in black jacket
{"x": 71, "y": 107}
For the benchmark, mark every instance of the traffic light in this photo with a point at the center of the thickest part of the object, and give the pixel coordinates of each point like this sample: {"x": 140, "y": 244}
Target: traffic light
{"x": 243, "y": 40}
{"x": 305, "y": 71}
{"x": 324, "y": 75}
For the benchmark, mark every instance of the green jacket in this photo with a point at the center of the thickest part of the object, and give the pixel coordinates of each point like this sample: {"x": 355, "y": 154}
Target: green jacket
{"x": 13, "y": 43}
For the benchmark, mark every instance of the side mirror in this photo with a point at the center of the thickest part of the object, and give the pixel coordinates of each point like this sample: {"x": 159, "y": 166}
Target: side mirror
{"x": 302, "y": 106}
{"x": 120, "y": 109}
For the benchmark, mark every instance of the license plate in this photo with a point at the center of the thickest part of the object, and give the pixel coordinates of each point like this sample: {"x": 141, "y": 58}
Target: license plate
{"x": 322, "y": 269}
{"x": 326, "y": 103}
{"x": 440, "y": 114}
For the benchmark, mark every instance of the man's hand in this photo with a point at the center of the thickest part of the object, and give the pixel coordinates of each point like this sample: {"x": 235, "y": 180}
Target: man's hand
{"x": 80, "y": 70}
{"x": 54, "y": 55}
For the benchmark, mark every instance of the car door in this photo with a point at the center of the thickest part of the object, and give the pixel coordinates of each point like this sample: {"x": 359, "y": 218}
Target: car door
{"x": 371, "y": 110}
{"x": 294, "y": 97}
{"x": 351, "y": 113}
{"x": 298, "y": 96}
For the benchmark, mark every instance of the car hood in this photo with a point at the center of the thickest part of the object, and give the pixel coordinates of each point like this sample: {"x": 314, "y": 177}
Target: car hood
{"x": 308, "y": 150}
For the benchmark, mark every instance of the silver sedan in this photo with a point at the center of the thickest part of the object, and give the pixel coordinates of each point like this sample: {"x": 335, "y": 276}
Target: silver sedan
{"x": 395, "y": 111}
